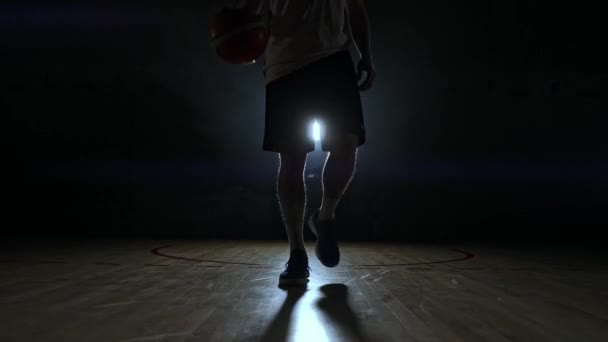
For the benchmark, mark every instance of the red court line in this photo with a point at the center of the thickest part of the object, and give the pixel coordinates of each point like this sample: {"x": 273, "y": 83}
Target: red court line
{"x": 156, "y": 250}
{"x": 467, "y": 256}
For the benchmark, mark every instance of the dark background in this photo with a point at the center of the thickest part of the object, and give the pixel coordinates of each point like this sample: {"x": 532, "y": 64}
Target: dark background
{"x": 487, "y": 122}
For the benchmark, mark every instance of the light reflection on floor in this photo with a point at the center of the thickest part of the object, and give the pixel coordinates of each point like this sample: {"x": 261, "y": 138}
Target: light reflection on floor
{"x": 315, "y": 313}
{"x": 308, "y": 323}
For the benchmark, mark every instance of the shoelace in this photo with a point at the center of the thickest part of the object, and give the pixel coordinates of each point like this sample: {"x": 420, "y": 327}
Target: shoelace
{"x": 307, "y": 267}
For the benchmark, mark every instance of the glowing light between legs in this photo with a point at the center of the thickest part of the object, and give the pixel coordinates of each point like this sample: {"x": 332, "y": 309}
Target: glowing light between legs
{"x": 316, "y": 131}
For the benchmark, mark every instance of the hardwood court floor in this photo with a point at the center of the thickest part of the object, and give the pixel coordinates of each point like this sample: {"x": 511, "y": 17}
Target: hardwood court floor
{"x": 145, "y": 290}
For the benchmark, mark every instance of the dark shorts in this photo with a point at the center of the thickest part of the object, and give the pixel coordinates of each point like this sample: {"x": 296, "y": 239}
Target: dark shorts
{"x": 325, "y": 90}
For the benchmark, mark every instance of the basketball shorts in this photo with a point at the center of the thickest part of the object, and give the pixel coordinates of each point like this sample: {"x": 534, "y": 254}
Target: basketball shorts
{"x": 326, "y": 91}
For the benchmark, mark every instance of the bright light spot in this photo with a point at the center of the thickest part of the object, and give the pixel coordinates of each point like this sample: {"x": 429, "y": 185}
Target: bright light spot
{"x": 316, "y": 131}
{"x": 308, "y": 322}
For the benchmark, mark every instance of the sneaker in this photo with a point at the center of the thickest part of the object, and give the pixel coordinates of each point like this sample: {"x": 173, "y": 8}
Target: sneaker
{"x": 327, "y": 249}
{"x": 296, "y": 269}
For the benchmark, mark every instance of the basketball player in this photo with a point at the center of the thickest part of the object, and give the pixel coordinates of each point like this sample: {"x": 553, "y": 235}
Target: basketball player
{"x": 309, "y": 74}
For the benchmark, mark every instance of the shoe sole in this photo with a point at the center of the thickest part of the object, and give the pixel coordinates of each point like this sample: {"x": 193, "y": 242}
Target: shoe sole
{"x": 313, "y": 229}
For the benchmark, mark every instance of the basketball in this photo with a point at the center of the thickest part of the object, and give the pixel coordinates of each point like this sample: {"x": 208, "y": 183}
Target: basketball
{"x": 238, "y": 35}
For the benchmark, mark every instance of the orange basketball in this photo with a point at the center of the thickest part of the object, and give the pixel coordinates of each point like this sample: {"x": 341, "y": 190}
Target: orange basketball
{"x": 239, "y": 35}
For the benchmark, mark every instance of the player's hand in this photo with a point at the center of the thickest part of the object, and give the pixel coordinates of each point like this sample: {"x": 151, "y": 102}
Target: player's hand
{"x": 366, "y": 65}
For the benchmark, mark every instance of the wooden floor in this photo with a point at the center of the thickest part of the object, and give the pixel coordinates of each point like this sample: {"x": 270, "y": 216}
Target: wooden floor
{"x": 144, "y": 290}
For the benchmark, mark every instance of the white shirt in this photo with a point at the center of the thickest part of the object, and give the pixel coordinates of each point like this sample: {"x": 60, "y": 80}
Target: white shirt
{"x": 303, "y": 31}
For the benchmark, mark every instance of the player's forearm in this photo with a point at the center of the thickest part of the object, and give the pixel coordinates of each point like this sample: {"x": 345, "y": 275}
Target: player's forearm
{"x": 359, "y": 22}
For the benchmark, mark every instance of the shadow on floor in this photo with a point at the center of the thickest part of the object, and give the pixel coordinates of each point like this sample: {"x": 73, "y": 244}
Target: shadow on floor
{"x": 279, "y": 327}
{"x": 333, "y": 304}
